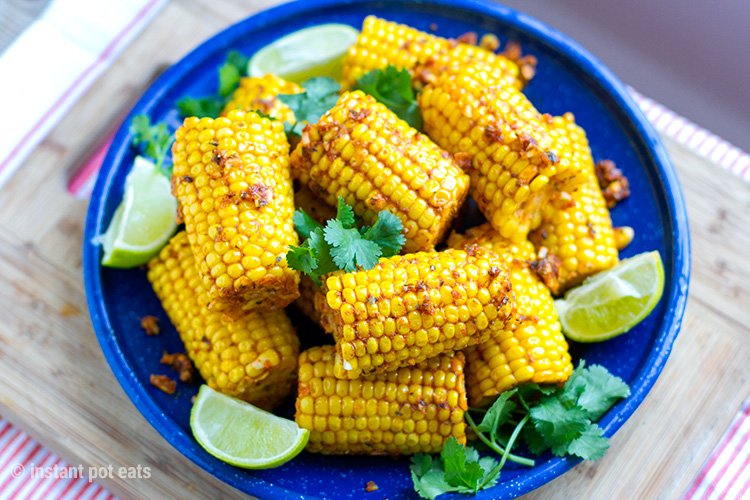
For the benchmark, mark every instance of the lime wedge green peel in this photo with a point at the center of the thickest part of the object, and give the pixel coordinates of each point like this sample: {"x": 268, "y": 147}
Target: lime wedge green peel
{"x": 614, "y": 301}
{"x": 307, "y": 53}
{"x": 144, "y": 221}
{"x": 242, "y": 435}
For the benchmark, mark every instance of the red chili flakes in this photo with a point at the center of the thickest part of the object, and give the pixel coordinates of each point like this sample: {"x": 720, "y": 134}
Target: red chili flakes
{"x": 163, "y": 383}
{"x": 150, "y": 325}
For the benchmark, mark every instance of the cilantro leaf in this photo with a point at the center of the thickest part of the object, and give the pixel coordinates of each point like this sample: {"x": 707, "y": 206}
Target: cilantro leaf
{"x": 392, "y": 86}
{"x": 320, "y": 95}
{"x": 303, "y": 258}
{"x": 210, "y": 106}
{"x": 154, "y": 141}
{"x": 229, "y": 75}
{"x": 595, "y": 389}
{"x": 388, "y": 233}
{"x": 349, "y": 249}
{"x": 558, "y": 424}
{"x": 459, "y": 469}
{"x": 499, "y": 413}
{"x": 345, "y": 214}
{"x": 304, "y": 224}
{"x": 590, "y": 445}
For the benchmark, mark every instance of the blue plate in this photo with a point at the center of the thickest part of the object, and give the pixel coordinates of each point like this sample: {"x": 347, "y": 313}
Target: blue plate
{"x": 568, "y": 79}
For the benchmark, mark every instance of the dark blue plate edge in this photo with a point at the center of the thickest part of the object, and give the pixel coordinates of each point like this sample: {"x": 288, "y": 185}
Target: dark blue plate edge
{"x": 589, "y": 65}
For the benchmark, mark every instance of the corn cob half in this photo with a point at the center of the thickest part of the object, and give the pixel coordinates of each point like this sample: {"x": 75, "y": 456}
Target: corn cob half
{"x": 533, "y": 348}
{"x": 412, "y": 307}
{"x": 382, "y": 42}
{"x": 253, "y": 358}
{"x": 261, "y": 93}
{"x": 232, "y": 182}
{"x": 411, "y": 410}
{"x": 362, "y": 151}
{"x": 472, "y": 112}
{"x": 576, "y": 228}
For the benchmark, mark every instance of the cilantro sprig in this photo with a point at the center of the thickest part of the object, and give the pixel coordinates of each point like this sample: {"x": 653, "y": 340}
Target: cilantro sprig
{"x": 152, "y": 140}
{"x": 340, "y": 244}
{"x": 393, "y": 87}
{"x": 561, "y": 420}
{"x": 320, "y": 95}
{"x": 229, "y": 75}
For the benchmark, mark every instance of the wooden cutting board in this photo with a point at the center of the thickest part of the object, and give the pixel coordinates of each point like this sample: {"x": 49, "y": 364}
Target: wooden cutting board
{"x": 56, "y": 384}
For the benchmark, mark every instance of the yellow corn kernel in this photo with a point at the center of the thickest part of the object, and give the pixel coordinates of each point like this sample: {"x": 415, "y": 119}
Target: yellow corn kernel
{"x": 576, "y": 228}
{"x": 382, "y": 43}
{"x": 410, "y": 410}
{"x": 232, "y": 183}
{"x": 436, "y": 285}
{"x": 506, "y": 146}
{"x": 532, "y": 348}
{"x": 253, "y": 358}
{"x": 406, "y": 173}
{"x": 260, "y": 93}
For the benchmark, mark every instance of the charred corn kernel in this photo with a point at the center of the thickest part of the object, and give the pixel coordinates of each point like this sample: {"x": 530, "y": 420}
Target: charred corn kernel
{"x": 389, "y": 166}
{"x": 261, "y": 93}
{"x": 433, "y": 297}
{"x": 473, "y": 112}
{"x": 232, "y": 183}
{"x": 313, "y": 205}
{"x": 576, "y": 228}
{"x": 382, "y": 42}
{"x": 532, "y": 348}
{"x": 252, "y": 358}
{"x": 411, "y": 410}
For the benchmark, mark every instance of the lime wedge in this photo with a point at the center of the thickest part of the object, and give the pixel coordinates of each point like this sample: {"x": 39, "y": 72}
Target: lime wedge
{"x": 310, "y": 52}
{"x": 614, "y": 301}
{"x": 144, "y": 220}
{"x": 242, "y": 435}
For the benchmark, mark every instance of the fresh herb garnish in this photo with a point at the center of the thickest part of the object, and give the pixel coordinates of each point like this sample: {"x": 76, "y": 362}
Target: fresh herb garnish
{"x": 392, "y": 86}
{"x": 458, "y": 469}
{"x": 545, "y": 418}
{"x": 320, "y": 95}
{"x": 153, "y": 141}
{"x": 341, "y": 245}
{"x": 229, "y": 75}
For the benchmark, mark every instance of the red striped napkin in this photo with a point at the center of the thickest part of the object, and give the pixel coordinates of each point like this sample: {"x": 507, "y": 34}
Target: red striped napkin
{"x": 726, "y": 473}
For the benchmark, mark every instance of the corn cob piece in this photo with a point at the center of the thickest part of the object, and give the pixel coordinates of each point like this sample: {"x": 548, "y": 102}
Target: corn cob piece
{"x": 412, "y": 307}
{"x": 533, "y": 348}
{"x": 253, "y": 358}
{"x": 412, "y": 410}
{"x": 362, "y": 151}
{"x": 576, "y": 228}
{"x": 382, "y": 42}
{"x": 232, "y": 182}
{"x": 261, "y": 93}
{"x": 473, "y": 113}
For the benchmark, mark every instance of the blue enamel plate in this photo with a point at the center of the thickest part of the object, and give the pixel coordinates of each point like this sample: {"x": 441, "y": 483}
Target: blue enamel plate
{"x": 568, "y": 79}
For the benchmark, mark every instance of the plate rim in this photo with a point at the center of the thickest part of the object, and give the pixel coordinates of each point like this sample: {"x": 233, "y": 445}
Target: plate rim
{"x": 592, "y": 69}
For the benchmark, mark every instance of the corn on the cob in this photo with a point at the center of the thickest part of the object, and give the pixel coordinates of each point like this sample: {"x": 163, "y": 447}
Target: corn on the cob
{"x": 362, "y": 151}
{"x": 252, "y": 358}
{"x": 472, "y": 112}
{"x": 382, "y": 42}
{"x": 576, "y": 227}
{"x": 232, "y": 182}
{"x": 261, "y": 93}
{"x": 532, "y": 349}
{"x": 411, "y": 307}
{"x": 412, "y": 410}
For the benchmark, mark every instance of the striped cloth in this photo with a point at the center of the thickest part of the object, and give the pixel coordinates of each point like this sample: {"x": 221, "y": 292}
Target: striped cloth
{"x": 726, "y": 473}
{"x": 31, "y": 472}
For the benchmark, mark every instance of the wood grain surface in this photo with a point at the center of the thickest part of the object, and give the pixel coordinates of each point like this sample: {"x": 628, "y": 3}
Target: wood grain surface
{"x": 57, "y": 385}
